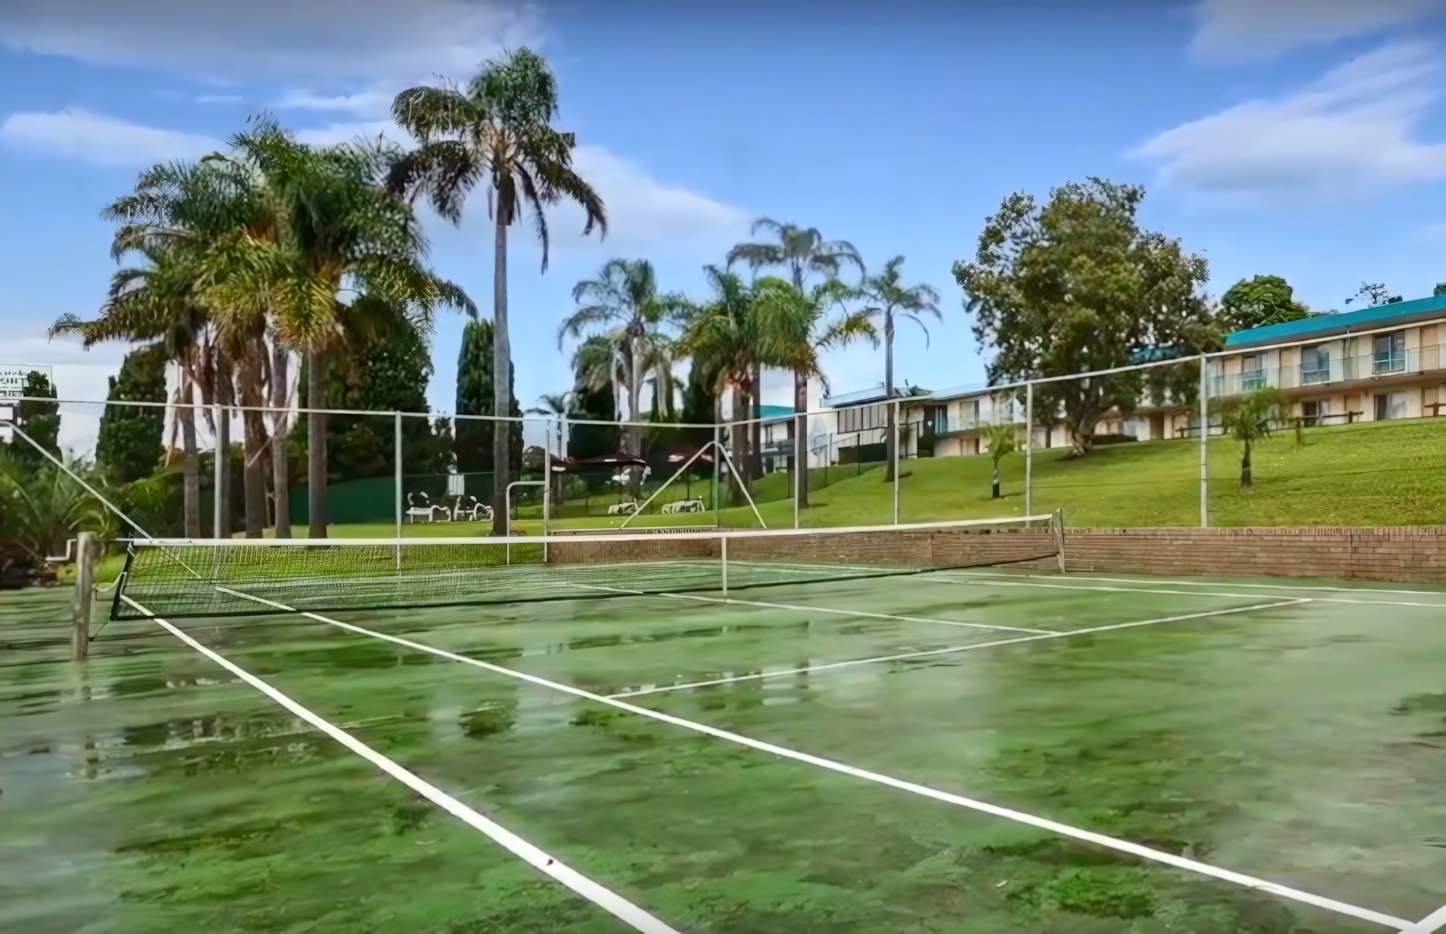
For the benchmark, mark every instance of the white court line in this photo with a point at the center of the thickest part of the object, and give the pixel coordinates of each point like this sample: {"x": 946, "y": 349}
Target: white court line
{"x": 810, "y": 669}
{"x": 1435, "y": 921}
{"x": 1132, "y": 580}
{"x": 979, "y": 580}
{"x": 604, "y": 898}
{"x": 812, "y": 609}
{"x": 1042, "y": 823}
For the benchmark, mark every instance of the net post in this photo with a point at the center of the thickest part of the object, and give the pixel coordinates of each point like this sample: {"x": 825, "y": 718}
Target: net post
{"x": 1204, "y": 445}
{"x": 1029, "y": 450}
{"x": 397, "y": 479}
{"x": 895, "y": 445}
{"x": 87, "y": 553}
{"x": 723, "y": 550}
{"x": 1059, "y": 537}
{"x": 218, "y": 473}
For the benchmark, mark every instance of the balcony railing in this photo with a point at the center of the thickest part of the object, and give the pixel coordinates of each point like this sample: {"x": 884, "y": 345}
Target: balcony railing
{"x": 1334, "y": 370}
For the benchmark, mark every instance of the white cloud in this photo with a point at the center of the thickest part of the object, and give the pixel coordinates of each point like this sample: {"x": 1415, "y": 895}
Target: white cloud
{"x": 1234, "y": 29}
{"x": 1352, "y": 130}
{"x": 219, "y": 99}
{"x": 366, "y": 103}
{"x": 88, "y": 137}
{"x": 282, "y": 40}
{"x": 643, "y": 210}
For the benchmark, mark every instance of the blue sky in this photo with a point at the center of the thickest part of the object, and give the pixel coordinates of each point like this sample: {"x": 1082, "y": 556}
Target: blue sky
{"x": 1293, "y": 137}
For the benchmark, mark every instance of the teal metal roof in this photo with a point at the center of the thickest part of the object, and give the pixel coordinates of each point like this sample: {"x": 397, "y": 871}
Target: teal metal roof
{"x": 1366, "y": 319}
{"x": 774, "y": 411}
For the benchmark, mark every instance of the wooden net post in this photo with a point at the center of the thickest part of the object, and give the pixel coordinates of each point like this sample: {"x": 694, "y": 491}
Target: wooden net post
{"x": 87, "y": 556}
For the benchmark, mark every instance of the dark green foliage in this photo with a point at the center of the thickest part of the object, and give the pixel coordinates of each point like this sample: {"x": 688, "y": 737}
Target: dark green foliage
{"x": 473, "y": 446}
{"x": 1075, "y": 286}
{"x": 586, "y": 441}
{"x": 385, "y": 368}
{"x": 39, "y": 420}
{"x": 1258, "y": 301}
{"x": 129, "y": 444}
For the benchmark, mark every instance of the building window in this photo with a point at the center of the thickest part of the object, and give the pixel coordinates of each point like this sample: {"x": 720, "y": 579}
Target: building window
{"x": 1252, "y": 373}
{"x": 1315, "y": 365}
{"x": 862, "y": 418}
{"x": 1389, "y": 353}
{"x": 1314, "y": 411}
{"x": 1390, "y": 405}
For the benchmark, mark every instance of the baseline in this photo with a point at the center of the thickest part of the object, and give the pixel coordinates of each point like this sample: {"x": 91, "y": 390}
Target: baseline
{"x": 1435, "y": 921}
{"x": 973, "y": 580}
{"x": 606, "y": 899}
{"x": 950, "y": 650}
{"x": 1042, "y": 823}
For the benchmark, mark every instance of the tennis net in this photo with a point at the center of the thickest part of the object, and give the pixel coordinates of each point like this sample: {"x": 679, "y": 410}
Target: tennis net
{"x": 236, "y": 577}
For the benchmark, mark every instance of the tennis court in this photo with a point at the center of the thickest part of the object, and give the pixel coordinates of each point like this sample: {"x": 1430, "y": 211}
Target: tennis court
{"x": 932, "y": 749}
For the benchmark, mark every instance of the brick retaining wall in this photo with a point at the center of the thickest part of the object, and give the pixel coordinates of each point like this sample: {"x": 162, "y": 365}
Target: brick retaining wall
{"x": 1406, "y": 553}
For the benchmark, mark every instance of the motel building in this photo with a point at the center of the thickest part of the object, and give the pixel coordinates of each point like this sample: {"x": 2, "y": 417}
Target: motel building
{"x": 1381, "y": 363}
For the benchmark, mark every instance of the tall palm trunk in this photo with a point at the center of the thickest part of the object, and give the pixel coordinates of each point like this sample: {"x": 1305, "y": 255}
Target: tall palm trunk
{"x": 755, "y": 430}
{"x": 316, "y": 443}
{"x": 634, "y": 434}
{"x": 800, "y": 439}
{"x": 253, "y": 442}
{"x": 280, "y": 470}
{"x": 501, "y": 379}
{"x": 190, "y": 465}
{"x": 224, "y": 399}
{"x": 742, "y": 435}
{"x": 892, "y": 440}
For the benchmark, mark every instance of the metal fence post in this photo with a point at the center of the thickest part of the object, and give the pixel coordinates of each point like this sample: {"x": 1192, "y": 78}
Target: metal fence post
{"x": 397, "y": 479}
{"x": 1029, "y": 450}
{"x": 218, "y": 498}
{"x": 717, "y": 465}
{"x": 898, "y": 409}
{"x": 1204, "y": 444}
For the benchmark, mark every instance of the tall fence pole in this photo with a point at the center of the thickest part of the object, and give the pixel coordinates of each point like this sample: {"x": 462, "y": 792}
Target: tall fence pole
{"x": 717, "y": 466}
{"x": 218, "y": 498}
{"x": 800, "y": 463}
{"x": 87, "y": 554}
{"x": 1029, "y": 449}
{"x": 397, "y": 479}
{"x": 895, "y": 446}
{"x": 1204, "y": 444}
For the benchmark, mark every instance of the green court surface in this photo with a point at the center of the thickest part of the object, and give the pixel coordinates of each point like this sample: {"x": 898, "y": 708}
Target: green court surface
{"x": 959, "y": 751}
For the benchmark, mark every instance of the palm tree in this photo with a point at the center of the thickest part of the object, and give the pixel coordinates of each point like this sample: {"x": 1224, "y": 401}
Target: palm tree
{"x": 1251, "y": 420}
{"x": 625, "y": 296}
{"x": 728, "y": 334}
{"x": 496, "y": 132}
{"x": 156, "y": 302}
{"x": 801, "y": 331}
{"x": 890, "y": 299}
{"x": 345, "y": 245}
{"x": 804, "y": 252}
{"x": 1002, "y": 442}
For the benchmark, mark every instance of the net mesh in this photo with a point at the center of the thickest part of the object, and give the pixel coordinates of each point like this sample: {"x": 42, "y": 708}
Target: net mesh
{"x": 244, "y": 577}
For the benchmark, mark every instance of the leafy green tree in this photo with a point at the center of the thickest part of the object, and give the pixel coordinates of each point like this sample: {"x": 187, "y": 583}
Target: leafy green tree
{"x": 799, "y": 327}
{"x": 1375, "y": 293}
{"x": 476, "y": 396}
{"x": 890, "y": 299}
{"x": 803, "y": 252}
{"x": 39, "y": 420}
{"x": 129, "y": 444}
{"x": 1076, "y": 286}
{"x": 497, "y": 132}
{"x": 42, "y": 506}
{"x": 1251, "y": 420}
{"x": 1002, "y": 443}
{"x": 1258, "y": 301}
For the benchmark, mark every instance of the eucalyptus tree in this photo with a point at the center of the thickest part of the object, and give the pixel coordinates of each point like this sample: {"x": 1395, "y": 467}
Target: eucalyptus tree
{"x": 621, "y": 305}
{"x": 803, "y": 252}
{"x": 496, "y": 132}
{"x": 890, "y": 299}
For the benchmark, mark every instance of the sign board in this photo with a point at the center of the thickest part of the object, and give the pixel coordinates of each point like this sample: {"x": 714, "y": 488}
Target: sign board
{"x": 12, "y": 378}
